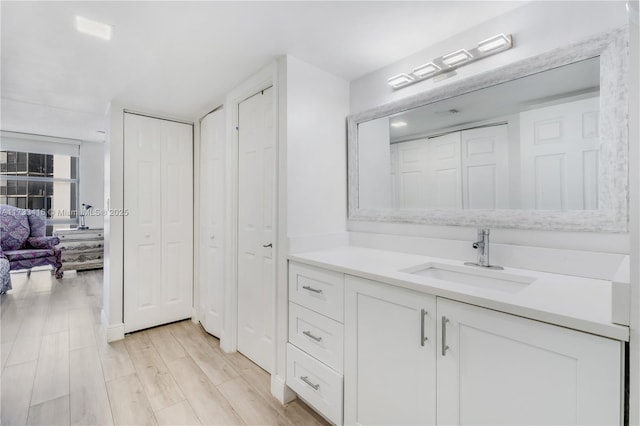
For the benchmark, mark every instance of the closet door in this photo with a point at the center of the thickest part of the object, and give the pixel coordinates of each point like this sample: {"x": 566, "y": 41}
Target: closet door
{"x": 256, "y": 228}
{"x": 444, "y": 171}
{"x": 212, "y": 130}
{"x": 485, "y": 168}
{"x": 559, "y": 156}
{"x": 158, "y": 231}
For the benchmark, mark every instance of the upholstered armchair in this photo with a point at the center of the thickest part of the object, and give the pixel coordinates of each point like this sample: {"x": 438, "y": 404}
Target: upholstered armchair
{"x": 23, "y": 240}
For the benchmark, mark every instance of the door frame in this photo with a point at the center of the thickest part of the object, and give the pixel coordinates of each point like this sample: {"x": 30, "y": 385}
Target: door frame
{"x": 264, "y": 79}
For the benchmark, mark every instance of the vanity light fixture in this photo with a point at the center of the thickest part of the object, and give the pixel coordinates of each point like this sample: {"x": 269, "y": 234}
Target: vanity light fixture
{"x": 445, "y": 66}
{"x": 424, "y": 71}
{"x": 93, "y": 28}
{"x": 398, "y": 124}
{"x": 456, "y": 58}
{"x": 400, "y": 80}
{"x": 495, "y": 44}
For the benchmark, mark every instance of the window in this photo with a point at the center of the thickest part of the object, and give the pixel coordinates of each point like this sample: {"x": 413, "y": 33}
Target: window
{"x": 37, "y": 181}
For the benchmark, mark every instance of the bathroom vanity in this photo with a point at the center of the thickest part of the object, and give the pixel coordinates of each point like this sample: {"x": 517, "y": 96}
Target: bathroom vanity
{"x": 393, "y": 338}
{"x": 382, "y": 337}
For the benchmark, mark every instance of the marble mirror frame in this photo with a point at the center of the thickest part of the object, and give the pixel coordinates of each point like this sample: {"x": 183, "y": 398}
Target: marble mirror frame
{"x": 612, "y": 214}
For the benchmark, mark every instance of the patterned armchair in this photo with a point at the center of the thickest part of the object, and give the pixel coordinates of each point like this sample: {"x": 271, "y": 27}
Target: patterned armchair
{"x": 23, "y": 240}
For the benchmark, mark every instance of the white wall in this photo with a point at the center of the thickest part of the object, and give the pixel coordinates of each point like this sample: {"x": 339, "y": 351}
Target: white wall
{"x": 317, "y": 104}
{"x": 92, "y": 180}
{"x": 537, "y": 27}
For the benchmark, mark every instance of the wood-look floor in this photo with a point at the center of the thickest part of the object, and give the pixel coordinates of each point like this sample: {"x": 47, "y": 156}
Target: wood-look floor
{"x": 57, "y": 368}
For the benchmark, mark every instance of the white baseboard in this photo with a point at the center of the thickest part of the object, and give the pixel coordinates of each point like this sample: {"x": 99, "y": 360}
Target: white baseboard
{"x": 194, "y": 316}
{"x": 280, "y": 390}
{"x": 113, "y": 332}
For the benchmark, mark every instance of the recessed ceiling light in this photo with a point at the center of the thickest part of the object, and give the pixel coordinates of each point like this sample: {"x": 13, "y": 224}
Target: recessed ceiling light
{"x": 457, "y": 57}
{"x": 94, "y": 28}
{"x": 426, "y": 70}
{"x": 497, "y": 42}
{"x": 400, "y": 80}
{"x": 398, "y": 124}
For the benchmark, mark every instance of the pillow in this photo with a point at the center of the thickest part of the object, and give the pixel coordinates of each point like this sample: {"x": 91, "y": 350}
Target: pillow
{"x": 14, "y": 229}
{"x": 43, "y": 242}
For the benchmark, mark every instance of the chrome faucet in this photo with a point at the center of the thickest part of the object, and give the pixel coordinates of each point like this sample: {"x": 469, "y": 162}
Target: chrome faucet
{"x": 482, "y": 245}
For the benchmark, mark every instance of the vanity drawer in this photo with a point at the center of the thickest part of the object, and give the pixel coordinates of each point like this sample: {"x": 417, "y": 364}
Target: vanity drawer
{"x": 318, "y": 289}
{"x": 316, "y": 383}
{"x": 319, "y": 336}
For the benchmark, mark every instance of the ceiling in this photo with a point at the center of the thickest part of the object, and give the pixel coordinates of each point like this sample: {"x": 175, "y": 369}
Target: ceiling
{"x": 179, "y": 59}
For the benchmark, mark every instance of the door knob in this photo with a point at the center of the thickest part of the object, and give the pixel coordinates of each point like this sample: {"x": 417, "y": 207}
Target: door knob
{"x": 267, "y": 245}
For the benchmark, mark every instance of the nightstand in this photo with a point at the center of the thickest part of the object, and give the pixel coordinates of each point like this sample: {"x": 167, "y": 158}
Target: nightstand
{"x": 81, "y": 248}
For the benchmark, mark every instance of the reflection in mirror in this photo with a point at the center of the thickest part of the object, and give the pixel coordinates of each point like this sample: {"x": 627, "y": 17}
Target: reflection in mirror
{"x": 530, "y": 143}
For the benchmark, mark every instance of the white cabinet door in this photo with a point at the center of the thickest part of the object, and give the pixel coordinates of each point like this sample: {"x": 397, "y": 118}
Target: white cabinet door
{"x": 389, "y": 355}
{"x": 499, "y": 369}
{"x": 158, "y": 232}
{"x": 212, "y": 130}
{"x": 256, "y": 228}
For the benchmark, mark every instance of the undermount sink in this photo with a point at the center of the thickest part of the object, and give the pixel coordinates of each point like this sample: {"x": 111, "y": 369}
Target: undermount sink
{"x": 472, "y": 276}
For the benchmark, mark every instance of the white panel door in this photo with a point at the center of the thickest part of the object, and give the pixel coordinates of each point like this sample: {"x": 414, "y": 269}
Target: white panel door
{"x": 499, "y": 369}
{"x": 444, "y": 182}
{"x": 256, "y": 228}
{"x": 485, "y": 168}
{"x": 559, "y": 156}
{"x": 390, "y": 355}
{"x": 212, "y": 130}
{"x": 409, "y": 174}
{"x": 158, "y": 231}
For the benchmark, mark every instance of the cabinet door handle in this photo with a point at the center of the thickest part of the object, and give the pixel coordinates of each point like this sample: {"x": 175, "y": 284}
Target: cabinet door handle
{"x": 309, "y": 382}
{"x": 315, "y": 290}
{"x": 308, "y": 334}
{"x": 445, "y": 320}
{"x": 423, "y": 313}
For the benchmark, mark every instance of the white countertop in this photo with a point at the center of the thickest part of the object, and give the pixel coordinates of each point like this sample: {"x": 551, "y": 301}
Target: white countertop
{"x": 579, "y": 303}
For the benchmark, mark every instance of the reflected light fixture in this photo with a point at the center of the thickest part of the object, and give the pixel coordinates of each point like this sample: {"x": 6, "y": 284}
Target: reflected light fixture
{"x": 400, "y": 80}
{"x": 444, "y": 66}
{"x": 93, "y": 28}
{"x": 398, "y": 124}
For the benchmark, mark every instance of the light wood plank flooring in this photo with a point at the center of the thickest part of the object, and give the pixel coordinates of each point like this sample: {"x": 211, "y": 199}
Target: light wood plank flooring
{"x": 57, "y": 368}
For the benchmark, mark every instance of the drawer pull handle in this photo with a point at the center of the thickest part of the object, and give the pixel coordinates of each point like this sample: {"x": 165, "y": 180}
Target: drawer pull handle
{"x": 308, "y": 334}
{"x": 445, "y": 320}
{"x": 309, "y": 382}
{"x": 315, "y": 290}
{"x": 423, "y": 339}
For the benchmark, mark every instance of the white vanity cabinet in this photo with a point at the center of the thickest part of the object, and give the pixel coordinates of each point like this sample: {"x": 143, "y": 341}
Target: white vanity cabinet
{"x": 316, "y": 338}
{"x": 390, "y": 354}
{"x": 500, "y": 369}
{"x": 412, "y": 358}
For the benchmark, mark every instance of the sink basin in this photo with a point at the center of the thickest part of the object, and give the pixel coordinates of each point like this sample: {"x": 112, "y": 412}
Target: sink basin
{"x": 472, "y": 276}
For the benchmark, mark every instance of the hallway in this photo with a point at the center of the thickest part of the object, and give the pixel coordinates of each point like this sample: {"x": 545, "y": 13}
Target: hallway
{"x": 58, "y": 369}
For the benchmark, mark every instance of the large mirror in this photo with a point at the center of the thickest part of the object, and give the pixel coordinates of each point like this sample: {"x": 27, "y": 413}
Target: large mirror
{"x": 538, "y": 144}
